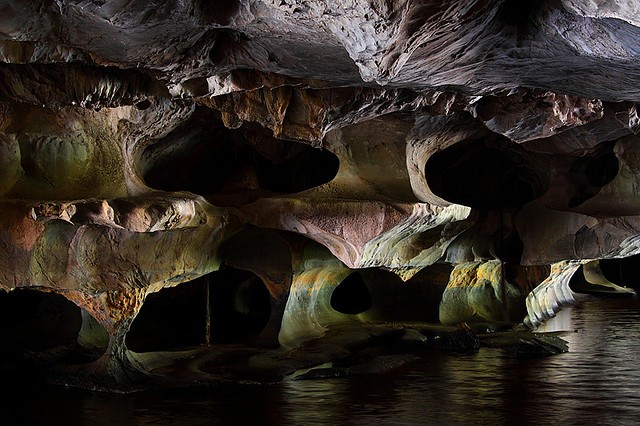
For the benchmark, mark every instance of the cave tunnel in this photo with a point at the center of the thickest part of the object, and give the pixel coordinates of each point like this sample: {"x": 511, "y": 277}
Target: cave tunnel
{"x": 623, "y": 271}
{"x": 490, "y": 173}
{"x": 240, "y": 306}
{"x": 384, "y": 296}
{"x": 206, "y": 158}
{"x": 591, "y": 172}
{"x": 351, "y": 296}
{"x": 226, "y": 306}
{"x": 32, "y": 320}
{"x": 607, "y": 277}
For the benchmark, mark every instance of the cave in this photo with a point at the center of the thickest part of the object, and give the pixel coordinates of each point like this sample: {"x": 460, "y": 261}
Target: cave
{"x": 171, "y": 318}
{"x": 624, "y": 271}
{"x": 589, "y": 173}
{"x": 485, "y": 174}
{"x": 205, "y": 158}
{"x": 382, "y": 295}
{"x": 240, "y": 306}
{"x": 36, "y": 321}
{"x": 351, "y": 296}
{"x": 226, "y": 306}
{"x": 288, "y": 191}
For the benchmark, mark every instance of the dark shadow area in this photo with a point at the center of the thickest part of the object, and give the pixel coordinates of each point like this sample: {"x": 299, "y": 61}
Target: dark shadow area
{"x": 592, "y": 279}
{"x": 240, "y": 306}
{"x": 385, "y": 297}
{"x": 351, "y": 296}
{"x": 39, "y": 332}
{"x": 216, "y": 12}
{"x": 591, "y": 172}
{"x": 32, "y": 320}
{"x": 171, "y": 318}
{"x": 520, "y": 20}
{"x": 206, "y": 158}
{"x": 417, "y": 299}
{"x": 624, "y": 271}
{"x": 226, "y": 306}
{"x": 485, "y": 174}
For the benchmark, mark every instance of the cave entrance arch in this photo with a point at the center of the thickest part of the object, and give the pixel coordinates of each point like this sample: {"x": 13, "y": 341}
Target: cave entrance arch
{"x": 206, "y": 158}
{"x": 37, "y": 321}
{"x": 240, "y": 305}
{"x": 485, "y": 174}
{"x": 351, "y": 296}
{"x": 622, "y": 271}
{"x": 226, "y": 306}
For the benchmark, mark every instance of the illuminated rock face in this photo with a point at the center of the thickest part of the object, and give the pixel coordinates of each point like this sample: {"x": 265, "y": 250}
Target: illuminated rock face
{"x": 267, "y": 169}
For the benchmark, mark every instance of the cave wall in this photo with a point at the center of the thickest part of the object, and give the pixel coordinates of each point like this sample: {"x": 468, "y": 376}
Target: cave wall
{"x": 449, "y": 157}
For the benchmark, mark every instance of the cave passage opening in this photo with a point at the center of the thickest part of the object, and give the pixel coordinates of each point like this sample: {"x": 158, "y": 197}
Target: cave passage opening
{"x": 206, "y": 158}
{"x": 36, "y": 321}
{"x": 351, "y": 296}
{"x": 486, "y": 174}
{"x": 623, "y": 271}
{"x": 226, "y": 306}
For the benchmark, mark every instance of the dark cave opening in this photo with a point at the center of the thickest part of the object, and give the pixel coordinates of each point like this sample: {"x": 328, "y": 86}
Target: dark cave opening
{"x": 240, "y": 306}
{"x": 351, "y": 296}
{"x": 226, "y": 306}
{"x": 590, "y": 173}
{"x": 170, "y": 318}
{"x": 417, "y": 299}
{"x": 32, "y": 320}
{"x": 484, "y": 174}
{"x": 623, "y": 271}
{"x": 384, "y": 296}
{"x": 607, "y": 277}
{"x": 206, "y": 158}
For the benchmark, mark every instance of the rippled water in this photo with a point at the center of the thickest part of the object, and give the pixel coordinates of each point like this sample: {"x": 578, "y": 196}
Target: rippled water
{"x": 597, "y": 382}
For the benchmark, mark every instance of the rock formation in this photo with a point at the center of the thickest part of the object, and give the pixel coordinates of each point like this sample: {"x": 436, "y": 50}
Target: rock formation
{"x": 186, "y": 174}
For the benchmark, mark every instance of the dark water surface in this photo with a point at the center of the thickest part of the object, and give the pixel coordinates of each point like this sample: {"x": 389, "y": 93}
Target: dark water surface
{"x": 597, "y": 382}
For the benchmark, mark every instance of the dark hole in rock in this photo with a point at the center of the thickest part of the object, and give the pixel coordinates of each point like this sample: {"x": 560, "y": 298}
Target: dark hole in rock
{"x": 591, "y": 278}
{"x": 142, "y": 105}
{"x": 351, "y": 296}
{"x": 240, "y": 306}
{"x": 216, "y": 12}
{"x": 227, "y": 43}
{"x": 36, "y": 321}
{"x": 484, "y": 174}
{"x": 171, "y": 318}
{"x": 205, "y": 158}
{"x": 226, "y": 306}
{"x": 590, "y": 173}
{"x": 417, "y": 299}
{"x": 516, "y": 14}
{"x": 624, "y": 271}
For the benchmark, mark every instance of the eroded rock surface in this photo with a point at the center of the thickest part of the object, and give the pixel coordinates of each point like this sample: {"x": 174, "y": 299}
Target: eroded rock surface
{"x": 267, "y": 170}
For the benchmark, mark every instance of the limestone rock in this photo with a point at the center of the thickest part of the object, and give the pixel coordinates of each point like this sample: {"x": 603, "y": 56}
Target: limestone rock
{"x": 300, "y": 165}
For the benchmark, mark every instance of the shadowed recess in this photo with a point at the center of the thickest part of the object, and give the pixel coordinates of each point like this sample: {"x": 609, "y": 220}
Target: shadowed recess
{"x": 206, "y": 158}
{"x": 624, "y": 271}
{"x": 351, "y": 296}
{"x": 417, "y": 299}
{"x": 590, "y": 173}
{"x": 240, "y": 305}
{"x": 216, "y": 12}
{"x": 226, "y": 306}
{"x": 171, "y": 318}
{"x": 36, "y": 321}
{"x": 484, "y": 174}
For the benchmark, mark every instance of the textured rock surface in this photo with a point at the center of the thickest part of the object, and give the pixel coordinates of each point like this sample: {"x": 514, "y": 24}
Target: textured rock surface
{"x": 303, "y": 164}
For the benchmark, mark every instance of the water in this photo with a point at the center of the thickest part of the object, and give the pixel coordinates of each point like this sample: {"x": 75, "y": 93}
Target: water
{"x": 597, "y": 382}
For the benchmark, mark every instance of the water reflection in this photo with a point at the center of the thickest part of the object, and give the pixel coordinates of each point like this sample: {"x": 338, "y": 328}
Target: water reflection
{"x": 597, "y": 382}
